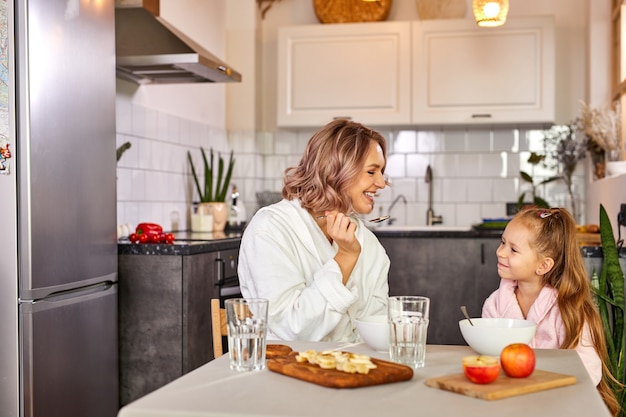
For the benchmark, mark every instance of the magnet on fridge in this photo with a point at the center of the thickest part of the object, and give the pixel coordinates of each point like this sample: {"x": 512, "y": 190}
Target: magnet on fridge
{"x": 5, "y": 154}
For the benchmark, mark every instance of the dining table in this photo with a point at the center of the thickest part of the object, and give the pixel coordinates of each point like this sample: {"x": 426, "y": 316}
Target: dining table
{"x": 214, "y": 390}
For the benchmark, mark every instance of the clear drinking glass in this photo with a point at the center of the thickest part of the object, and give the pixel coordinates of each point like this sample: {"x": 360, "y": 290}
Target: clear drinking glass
{"x": 408, "y": 325}
{"x": 247, "y": 331}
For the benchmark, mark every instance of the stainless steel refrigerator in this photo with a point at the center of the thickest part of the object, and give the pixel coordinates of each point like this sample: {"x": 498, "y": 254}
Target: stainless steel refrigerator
{"x": 58, "y": 252}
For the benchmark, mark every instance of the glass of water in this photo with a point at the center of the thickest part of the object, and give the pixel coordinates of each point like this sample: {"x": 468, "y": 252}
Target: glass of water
{"x": 247, "y": 331}
{"x": 408, "y": 325}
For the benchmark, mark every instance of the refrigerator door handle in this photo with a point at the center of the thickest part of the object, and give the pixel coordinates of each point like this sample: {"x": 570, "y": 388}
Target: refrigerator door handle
{"x": 61, "y": 296}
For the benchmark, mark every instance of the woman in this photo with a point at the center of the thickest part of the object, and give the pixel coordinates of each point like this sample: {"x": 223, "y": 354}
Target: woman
{"x": 311, "y": 254}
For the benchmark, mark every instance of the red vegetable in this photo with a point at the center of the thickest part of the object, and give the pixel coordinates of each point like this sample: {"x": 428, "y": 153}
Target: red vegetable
{"x": 151, "y": 233}
{"x": 150, "y": 229}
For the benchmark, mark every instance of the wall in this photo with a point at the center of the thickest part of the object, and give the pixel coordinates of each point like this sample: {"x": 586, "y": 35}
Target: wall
{"x": 163, "y": 122}
{"x": 476, "y": 170}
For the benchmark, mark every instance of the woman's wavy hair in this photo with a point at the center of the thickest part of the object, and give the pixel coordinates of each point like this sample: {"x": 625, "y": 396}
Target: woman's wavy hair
{"x": 333, "y": 157}
{"x": 555, "y": 237}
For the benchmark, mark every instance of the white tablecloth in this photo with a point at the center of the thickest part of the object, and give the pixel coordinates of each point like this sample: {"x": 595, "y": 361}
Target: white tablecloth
{"x": 214, "y": 390}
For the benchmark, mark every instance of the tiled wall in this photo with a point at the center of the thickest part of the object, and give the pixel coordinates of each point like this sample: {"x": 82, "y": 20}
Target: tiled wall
{"x": 154, "y": 182}
{"x": 475, "y": 171}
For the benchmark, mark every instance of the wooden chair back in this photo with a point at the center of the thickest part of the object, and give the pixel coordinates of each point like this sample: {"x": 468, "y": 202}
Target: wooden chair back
{"x": 219, "y": 327}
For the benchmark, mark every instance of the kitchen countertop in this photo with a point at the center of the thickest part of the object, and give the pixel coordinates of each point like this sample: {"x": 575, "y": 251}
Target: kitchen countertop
{"x": 186, "y": 243}
{"x": 189, "y": 243}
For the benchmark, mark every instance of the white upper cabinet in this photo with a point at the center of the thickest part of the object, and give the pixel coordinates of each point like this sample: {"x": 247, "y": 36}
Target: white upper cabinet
{"x": 464, "y": 74}
{"x": 360, "y": 71}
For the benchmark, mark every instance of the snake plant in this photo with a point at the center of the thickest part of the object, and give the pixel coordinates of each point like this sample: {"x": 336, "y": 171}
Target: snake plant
{"x": 610, "y": 289}
{"x": 205, "y": 192}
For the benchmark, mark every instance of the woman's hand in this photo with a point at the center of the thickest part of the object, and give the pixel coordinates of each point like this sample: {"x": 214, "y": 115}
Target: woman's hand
{"x": 342, "y": 230}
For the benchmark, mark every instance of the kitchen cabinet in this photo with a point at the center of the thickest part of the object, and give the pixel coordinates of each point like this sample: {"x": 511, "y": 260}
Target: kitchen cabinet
{"x": 165, "y": 317}
{"x": 465, "y": 74}
{"x": 359, "y": 71}
{"x": 450, "y": 271}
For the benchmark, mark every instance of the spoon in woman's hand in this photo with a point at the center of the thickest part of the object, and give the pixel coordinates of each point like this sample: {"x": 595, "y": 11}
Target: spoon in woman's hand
{"x": 374, "y": 220}
{"x": 379, "y": 219}
{"x": 464, "y": 310}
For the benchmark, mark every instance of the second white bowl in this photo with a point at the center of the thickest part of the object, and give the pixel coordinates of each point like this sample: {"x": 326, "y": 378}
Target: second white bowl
{"x": 488, "y": 336}
{"x": 374, "y": 331}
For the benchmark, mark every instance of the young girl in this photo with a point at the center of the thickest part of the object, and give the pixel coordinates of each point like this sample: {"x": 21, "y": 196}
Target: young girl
{"x": 544, "y": 280}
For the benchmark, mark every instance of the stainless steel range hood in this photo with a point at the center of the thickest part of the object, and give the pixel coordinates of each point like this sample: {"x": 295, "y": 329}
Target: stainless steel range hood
{"x": 150, "y": 50}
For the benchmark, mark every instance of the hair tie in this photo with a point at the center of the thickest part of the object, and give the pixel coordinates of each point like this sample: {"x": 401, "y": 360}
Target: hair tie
{"x": 545, "y": 213}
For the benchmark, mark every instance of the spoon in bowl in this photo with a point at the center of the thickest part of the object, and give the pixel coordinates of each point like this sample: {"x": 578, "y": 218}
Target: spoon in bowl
{"x": 464, "y": 310}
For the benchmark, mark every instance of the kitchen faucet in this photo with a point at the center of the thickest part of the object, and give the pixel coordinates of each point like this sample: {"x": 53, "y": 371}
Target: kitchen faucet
{"x": 431, "y": 219}
{"x": 393, "y": 203}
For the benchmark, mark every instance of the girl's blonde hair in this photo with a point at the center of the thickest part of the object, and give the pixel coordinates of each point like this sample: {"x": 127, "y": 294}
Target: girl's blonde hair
{"x": 555, "y": 237}
{"x": 333, "y": 157}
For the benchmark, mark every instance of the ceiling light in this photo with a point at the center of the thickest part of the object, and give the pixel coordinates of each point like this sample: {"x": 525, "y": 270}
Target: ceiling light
{"x": 490, "y": 13}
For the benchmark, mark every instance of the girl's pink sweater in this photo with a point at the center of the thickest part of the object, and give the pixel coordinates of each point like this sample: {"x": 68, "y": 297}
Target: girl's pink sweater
{"x": 550, "y": 329}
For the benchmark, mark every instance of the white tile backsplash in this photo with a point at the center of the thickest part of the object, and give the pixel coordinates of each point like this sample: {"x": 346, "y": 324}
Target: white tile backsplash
{"x": 404, "y": 141}
{"x": 505, "y": 140}
{"x": 455, "y": 141}
{"x": 429, "y": 141}
{"x": 479, "y": 140}
{"x": 475, "y": 170}
{"x": 416, "y": 164}
{"x": 396, "y": 165}
{"x": 479, "y": 190}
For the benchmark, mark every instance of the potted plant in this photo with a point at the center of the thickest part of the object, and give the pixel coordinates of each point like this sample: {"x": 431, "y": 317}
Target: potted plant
{"x": 609, "y": 291}
{"x": 212, "y": 199}
{"x": 602, "y": 128}
{"x": 533, "y": 159}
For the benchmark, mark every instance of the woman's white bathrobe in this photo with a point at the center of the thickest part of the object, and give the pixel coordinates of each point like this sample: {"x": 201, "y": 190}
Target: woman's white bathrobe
{"x": 286, "y": 258}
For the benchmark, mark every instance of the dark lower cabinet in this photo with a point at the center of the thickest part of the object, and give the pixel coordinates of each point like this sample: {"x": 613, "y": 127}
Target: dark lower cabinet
{"x": 450, "y": 271}
{"x": 164, "y": 319}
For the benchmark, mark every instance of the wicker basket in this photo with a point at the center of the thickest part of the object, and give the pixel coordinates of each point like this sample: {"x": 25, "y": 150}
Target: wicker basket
{"x": 439, "y": 9}
{"x": 347, "y": 11}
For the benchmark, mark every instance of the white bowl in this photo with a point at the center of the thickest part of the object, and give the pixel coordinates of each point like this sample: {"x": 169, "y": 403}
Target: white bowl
{"x": 374, "y": 331}
{"x": 615, "y": 168}
{"x": 488, "y": 336}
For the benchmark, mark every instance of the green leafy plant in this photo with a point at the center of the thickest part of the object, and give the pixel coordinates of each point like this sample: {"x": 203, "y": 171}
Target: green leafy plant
{"x": 120, "y": 151}
{"x": 534, "y": 159}
{"x": 610, "y": 300}
{"x": 205, "y": 192}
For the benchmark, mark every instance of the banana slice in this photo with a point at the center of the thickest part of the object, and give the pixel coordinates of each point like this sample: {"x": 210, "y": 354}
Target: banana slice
{"x": 342, "y": 361}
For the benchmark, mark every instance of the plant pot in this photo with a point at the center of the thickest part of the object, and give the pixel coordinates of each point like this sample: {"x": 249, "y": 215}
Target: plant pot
{"x": 220, "y": 215}
{"x": 209, "y": 217}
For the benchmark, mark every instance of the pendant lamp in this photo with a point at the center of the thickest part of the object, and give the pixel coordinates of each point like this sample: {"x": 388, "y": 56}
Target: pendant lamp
{"x": 490, "y": 13}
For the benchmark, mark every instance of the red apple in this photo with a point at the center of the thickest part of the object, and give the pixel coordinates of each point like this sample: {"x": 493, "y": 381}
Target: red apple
{"x": 481, "y": 369}
{"x": 518, "y": 360}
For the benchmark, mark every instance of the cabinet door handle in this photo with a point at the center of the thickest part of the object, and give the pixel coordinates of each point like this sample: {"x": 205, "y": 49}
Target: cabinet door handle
{"x": 482, "y": 253}
{"x": 481, "y": 116}
{"x": 219, "y": 272}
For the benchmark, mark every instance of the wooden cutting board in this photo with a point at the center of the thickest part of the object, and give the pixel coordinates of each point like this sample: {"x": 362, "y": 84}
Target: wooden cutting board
{"x": 384, "y": 373}
{"x": 503, "y": 387}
